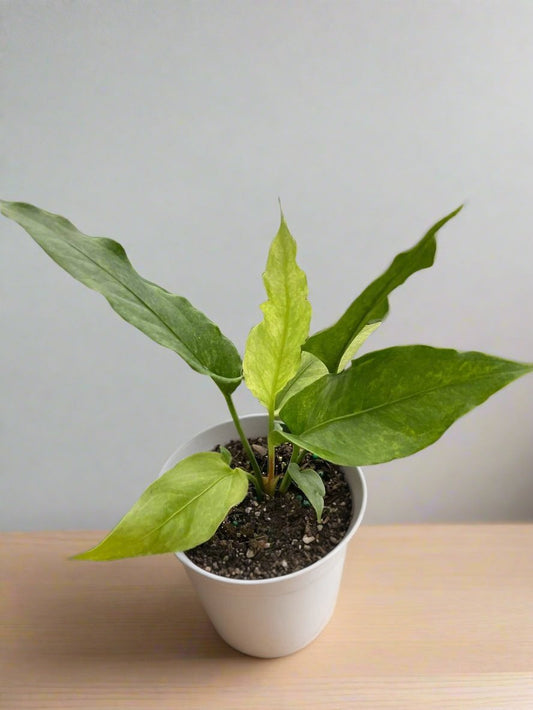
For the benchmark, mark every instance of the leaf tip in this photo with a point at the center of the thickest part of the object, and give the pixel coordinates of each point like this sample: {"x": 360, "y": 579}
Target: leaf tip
{"x": 90, "y": 555}
{"x": 4, "y": 207}
{"x": 282, "y": 216}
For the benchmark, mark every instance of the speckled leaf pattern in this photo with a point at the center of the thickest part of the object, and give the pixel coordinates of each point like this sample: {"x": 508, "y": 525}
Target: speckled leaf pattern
{"x": 102, "y": 265}
{"x": 332, "y": 344}
{"x": 182, "y": 509}
{"x": 394, "y": 402}
{"x": 273, "y": 348}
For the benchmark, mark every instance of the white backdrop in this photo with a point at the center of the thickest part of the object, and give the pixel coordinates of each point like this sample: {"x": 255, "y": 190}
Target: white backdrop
{"x": 174, "y": 127}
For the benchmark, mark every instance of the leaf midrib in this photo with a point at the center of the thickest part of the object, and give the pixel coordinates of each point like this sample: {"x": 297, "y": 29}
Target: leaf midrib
{"x": 402, "y": 399}
{"x": 184, "y": 506}
{"x": 274, "y": 389}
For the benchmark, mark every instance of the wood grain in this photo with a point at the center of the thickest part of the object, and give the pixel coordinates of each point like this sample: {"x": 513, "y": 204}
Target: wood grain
{"x": 428, "y": 617}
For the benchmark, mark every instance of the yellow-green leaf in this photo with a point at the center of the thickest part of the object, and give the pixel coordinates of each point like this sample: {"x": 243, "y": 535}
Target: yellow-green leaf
{"x": 310, "y": 370}
{"x": 273, "y": 348}
{"x": 356, "y": 343}
{"x": 181, "y": 510}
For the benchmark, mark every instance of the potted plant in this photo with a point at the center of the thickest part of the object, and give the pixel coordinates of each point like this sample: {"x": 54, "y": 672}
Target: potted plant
{"x": 327, "y": 413}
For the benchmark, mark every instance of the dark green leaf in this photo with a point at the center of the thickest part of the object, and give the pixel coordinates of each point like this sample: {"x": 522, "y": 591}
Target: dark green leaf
{"x": 311, "y": 485}
{"x": 180, "y": 510}
{"x": 372, "y": 306}
{"x": 102, "y": 265}
{"x": 392, "y": 403}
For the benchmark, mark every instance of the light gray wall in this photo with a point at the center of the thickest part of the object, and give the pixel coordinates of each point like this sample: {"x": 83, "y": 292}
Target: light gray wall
{"x": 174, "y": 127}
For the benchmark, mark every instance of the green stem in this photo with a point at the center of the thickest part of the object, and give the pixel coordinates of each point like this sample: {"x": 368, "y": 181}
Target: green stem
{"x": 244, "y": 440}
{"x": 295, "y": 456}
{"x": 253, "y": 479}
{"x": 270, "y": 483}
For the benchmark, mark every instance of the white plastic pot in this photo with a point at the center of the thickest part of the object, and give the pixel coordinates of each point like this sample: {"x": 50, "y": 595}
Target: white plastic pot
{"x": 278, "y": 616}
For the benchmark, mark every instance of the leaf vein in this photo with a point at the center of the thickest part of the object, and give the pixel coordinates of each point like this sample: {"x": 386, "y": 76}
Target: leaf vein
{"x": 413, "y": 395}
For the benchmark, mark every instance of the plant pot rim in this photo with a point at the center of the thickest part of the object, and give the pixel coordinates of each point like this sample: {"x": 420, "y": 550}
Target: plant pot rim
{"x": 357, "y": 516}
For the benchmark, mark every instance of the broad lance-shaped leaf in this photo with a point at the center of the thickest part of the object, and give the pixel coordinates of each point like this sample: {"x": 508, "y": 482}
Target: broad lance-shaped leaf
{"x": 102, "y": 265}
{"x": 311, "y": 485}
{"x": 180, "y": 510}
{"x": 273, "y": 348}
{"x": 333, "y": 345}
{"x": 394, "y": 402}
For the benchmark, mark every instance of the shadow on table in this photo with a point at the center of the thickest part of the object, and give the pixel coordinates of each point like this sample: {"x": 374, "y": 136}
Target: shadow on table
{"x": 150, "y": 620}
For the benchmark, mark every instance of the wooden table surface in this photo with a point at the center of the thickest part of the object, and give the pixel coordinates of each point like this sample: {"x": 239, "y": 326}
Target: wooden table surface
{"x": 430, "y": 616}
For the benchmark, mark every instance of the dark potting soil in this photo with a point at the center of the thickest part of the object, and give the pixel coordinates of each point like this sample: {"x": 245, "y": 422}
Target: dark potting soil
{"x": 280, "y": 534}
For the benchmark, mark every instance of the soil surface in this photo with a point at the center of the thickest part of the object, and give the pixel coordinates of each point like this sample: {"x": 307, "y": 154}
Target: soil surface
{"x": 278, "y": 535}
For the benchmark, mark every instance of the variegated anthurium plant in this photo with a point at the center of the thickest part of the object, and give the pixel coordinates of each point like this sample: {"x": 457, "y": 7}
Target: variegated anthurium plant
{"x": 375, "y": 408}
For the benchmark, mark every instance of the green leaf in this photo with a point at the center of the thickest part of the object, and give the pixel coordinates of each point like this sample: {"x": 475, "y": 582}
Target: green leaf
{"x": 181, "y": 510}
{"x": 226, "y": 455}
{"x": 365, "y": 332}
{"x": 334, "y": 344}
{"x": 277, "y": 435}
{"x": 102, "y": 265}
{"x": 394, "y": 402}
{"x": 273, "y": 348}
{"x": 311, "y": 369}
{"x": 311, "y": 485}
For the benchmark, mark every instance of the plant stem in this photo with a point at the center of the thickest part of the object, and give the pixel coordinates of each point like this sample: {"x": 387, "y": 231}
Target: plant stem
{"x": 253, "y": 479}
{"x": 270, "y": 483}
{"x": 295, "y": 456}
{"x": 245, "y": 442}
